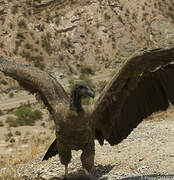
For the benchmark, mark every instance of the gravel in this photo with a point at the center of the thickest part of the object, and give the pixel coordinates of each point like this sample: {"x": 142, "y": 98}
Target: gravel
{"x": 147, "y": 153}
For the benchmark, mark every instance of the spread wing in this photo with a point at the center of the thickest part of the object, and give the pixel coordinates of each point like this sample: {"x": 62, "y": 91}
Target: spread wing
{"x": 36, "y": 81}
{"x": 144, "y": 85}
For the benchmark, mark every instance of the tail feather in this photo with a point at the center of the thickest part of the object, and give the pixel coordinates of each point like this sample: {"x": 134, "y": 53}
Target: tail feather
{"x": 52, "y": 151}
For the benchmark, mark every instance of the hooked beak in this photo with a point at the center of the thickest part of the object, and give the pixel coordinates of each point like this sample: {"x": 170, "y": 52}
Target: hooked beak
{"x": 90, "y": 93}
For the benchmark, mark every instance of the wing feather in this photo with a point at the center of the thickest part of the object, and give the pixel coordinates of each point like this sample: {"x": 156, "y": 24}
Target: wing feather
{"x": 36, "y": 81}
{"x": 144, "y": 85}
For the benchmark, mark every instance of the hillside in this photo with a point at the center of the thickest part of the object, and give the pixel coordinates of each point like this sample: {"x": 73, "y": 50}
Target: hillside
{"x": 63, "y": 35}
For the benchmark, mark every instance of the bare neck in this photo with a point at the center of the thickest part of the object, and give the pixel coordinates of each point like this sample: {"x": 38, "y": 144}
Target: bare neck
{"x": 76, "y": 102}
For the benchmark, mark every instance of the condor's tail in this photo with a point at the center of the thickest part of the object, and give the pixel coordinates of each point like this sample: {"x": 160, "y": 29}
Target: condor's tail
{"x": 52, "y": 151}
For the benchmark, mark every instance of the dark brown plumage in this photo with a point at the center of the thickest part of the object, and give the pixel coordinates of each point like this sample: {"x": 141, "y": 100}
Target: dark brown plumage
{"x": 144, "y": 85}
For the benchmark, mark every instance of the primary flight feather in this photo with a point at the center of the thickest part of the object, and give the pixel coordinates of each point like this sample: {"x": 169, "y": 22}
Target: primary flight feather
{"x": 144, "y": 85}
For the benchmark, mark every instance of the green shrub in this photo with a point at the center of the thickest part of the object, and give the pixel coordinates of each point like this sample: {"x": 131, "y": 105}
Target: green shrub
{"x": 11, "y": 95}
{"x": 11, "y": 121}
{"x": 1, "y": 124}
{"x": 26, "y": 116}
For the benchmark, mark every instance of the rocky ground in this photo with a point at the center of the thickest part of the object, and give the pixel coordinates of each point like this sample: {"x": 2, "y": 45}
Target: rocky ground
{"x": 146, "y": 154}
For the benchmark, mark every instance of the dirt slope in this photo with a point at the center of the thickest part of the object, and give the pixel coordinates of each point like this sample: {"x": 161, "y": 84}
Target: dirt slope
{"x": 68, "y": 33}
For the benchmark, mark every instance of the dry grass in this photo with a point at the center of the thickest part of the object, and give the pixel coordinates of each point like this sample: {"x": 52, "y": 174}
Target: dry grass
{"x": 10, "y": 165}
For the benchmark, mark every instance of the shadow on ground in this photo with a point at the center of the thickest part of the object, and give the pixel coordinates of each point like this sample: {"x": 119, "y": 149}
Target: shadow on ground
{"x": 151, "y": 177}
{"x": 101, "y": 170}
{"x": 98, "y": 172}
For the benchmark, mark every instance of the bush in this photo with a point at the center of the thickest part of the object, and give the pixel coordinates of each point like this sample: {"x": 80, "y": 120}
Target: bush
{"x": 11, "y": 95}
{"x": 11, "y": 121}
{"x": 1, "y": 124}
{"x": 26, "y": 116}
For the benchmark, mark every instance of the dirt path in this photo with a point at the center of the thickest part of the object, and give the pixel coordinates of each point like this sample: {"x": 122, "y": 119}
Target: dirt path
{"x": 16, "y": 102}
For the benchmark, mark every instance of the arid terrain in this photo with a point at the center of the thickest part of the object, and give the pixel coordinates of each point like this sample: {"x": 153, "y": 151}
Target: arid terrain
{"x": 81, "y": 40}
{"x": 146, "y": 153}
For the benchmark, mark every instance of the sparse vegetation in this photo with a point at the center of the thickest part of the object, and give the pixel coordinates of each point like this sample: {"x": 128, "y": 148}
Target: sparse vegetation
{"x": 20, "y": 36}
{"x": 87, "y": 69}
{"x": 14, "y": 9}
{"x": 1, "y": 112}
{"x": 11, "y": 95}
{"x": 107, "y": 17}
{"x": 26, "y": 116}
{"x": 46, "y": 43}
{"x": 17, "y": 133}
{"x": 9, "y": 134}
{"x": 12, "y": 140}
{"x": 22, "y": 24}
{"x": 1, "y": 44}
{"x": 43, "y": 124}
{"x": 1, "y": 124}
{"x": 28, "y": 46}
{"x": 11, "y": 121}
